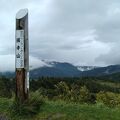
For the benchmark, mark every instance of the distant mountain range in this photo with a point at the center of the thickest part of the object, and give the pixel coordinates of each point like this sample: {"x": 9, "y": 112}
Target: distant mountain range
{"x": 64, "y": 69}
{"x": 102, "y": 71}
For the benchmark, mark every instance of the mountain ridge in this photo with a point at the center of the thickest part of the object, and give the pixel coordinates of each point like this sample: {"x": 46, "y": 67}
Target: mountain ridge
{"x": 64, "y": 69}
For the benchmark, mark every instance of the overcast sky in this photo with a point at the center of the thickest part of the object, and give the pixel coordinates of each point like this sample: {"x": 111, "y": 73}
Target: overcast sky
{"x": 82, "y": 32}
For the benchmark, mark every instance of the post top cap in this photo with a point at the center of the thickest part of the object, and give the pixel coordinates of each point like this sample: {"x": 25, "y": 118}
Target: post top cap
{"x": 21, "y": 13}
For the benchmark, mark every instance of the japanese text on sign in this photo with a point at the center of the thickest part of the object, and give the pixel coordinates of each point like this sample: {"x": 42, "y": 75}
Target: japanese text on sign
{"x": 19, "y": 48}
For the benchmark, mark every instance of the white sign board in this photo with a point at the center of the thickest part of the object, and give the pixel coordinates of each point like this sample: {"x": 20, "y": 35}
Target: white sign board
{"x": 19, "y": 48}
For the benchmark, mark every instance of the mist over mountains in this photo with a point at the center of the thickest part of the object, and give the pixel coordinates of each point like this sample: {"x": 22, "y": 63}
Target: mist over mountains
{"x": 64, "y": 69}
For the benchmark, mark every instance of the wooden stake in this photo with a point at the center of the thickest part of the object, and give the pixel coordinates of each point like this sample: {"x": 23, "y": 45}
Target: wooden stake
{"x": 22, "y": 55}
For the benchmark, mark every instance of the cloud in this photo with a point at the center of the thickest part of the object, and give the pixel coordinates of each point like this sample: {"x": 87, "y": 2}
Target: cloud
{"x": 36, "y": 63}
{"x": 7, "y": 63}
{"x": 81, "y": 32}
{"x": 112, "y": 57}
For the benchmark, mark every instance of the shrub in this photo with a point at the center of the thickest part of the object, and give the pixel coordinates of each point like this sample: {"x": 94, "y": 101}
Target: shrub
{"x": 73, "y": 93}
{"x": 30, "y": 107}
{"x": 84, "y": 94}
{"x": 63, "y": 90}
{"x": 108, "y": 98}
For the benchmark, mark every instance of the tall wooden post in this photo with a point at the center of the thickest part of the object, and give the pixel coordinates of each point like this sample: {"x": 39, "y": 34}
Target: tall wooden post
{"x": 22, "y": 55}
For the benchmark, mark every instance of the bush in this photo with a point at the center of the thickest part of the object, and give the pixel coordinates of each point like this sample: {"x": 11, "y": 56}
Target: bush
{"x": 73, "y": 93}
{"x": 84, "y": 94}
{"x": 30, "y": 107}
{"x": 63, "y": 91}
{"x": 108, "y": 98}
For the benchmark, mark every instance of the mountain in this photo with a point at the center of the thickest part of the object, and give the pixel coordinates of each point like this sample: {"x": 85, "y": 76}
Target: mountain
{"x": 7, "y": 74}
{"x": 101, "y": 71}
{"x": 56, "y": 69}
{"x": 64, "y": 69}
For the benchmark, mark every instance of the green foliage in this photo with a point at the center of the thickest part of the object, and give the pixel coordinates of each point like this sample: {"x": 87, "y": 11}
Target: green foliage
{"x": 6, "y": 87}
{"x": 63, "y": 90}
{"x": 108, "y": 98}
{"x": 84, "y": 94}
{"x": 94, "y": 84}
{"x": 30, "y": 107}
{"x": 65, "y": 99}
{"x": 73, "y": 93}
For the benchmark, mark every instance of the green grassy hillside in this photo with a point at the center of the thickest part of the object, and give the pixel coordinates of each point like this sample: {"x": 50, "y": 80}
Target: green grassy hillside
{"x": 71, "y": 111}
{"x": 59, "y": 110}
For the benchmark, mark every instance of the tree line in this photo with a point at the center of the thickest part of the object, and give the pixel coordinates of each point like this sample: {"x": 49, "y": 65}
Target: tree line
{"x": 82, "y": 90}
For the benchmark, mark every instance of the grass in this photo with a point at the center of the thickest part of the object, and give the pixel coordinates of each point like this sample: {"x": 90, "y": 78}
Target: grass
{"x": 4, "y": 104}
{"x": 59, "y": 110}
{"x": 73, "y": 111}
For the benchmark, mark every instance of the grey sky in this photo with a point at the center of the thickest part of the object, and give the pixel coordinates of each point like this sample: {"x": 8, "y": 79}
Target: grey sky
{"x": 80, "y": 32}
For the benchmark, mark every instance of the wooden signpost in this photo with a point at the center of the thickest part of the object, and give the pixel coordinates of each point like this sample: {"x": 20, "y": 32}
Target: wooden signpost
{"x": 22, "y": 55}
